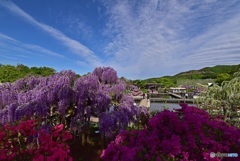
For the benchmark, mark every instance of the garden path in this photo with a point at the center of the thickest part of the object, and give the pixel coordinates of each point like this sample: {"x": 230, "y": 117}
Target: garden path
{"x": 145, "y": 102}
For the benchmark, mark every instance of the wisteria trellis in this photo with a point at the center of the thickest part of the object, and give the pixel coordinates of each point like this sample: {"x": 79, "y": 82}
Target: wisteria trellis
{"x": 67, "y": 99}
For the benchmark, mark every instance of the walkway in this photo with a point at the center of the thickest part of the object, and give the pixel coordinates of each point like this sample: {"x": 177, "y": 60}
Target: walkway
{"x": 144, "y": 102}
{"x": 175, "y": 95}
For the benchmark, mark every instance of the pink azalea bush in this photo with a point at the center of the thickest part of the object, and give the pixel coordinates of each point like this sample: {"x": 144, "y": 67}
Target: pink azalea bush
{"x": 24, "y": 141}
{"x": 188, "y": 134}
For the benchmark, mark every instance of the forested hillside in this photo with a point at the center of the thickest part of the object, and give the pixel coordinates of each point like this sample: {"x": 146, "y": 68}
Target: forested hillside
{"x": 218, "y": 73}
{"x": 10, "y": 73}
{"x": 209, "y": 72}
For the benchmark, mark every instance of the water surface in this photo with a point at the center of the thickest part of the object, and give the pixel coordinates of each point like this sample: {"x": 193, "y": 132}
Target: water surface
{"x": 161, "y": 106}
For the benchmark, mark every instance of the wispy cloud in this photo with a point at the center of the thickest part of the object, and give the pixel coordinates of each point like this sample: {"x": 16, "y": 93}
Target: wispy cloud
{"x": 73, "y": 45}
{"x": 75, "y": 26}
{"x": 150, "y": 37}
{"x": 11, "y": 44}
{"x": 8, "y": 57}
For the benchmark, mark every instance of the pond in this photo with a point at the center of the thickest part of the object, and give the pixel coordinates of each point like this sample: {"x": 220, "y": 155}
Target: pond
{"x": 161, "y": 106}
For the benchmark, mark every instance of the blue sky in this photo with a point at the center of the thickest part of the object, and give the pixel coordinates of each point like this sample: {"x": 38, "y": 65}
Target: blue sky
{"x": 138, "y": 38}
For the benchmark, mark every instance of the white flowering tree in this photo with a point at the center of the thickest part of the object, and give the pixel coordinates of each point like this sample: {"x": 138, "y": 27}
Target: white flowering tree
{"x": 224, "y": 100}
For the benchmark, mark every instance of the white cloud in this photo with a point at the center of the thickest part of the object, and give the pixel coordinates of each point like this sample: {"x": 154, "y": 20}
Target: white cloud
{"x": 77, "y": 28}
{"x": 75, "y": 46}
{"x": 12, "y": 44}
{"x": 8, "y": 57}
{"x": 150, "y": 38}
{"x": 156, "y": 37}
{"x": 82, "y": 63}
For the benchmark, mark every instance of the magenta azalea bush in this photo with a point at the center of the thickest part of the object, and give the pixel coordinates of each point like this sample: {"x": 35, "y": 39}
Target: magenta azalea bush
{"x": 188, "y": 134}
{"x": 24, "y": 141}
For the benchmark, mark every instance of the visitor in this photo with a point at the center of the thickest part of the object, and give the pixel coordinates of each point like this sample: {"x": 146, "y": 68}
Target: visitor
{"x": 111, "y": 108}
{"x": 148, "y": 96}
{"x": 182, "y": 94}
{"x": 115, "y": 107}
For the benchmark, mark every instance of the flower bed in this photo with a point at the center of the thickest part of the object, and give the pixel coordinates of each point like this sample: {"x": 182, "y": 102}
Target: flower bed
{"x": 24, "y": 141}
{"x": 188, "y": 134}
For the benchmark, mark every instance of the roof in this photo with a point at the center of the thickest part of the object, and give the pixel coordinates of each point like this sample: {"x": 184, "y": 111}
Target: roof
{"x": 177, "y": 88}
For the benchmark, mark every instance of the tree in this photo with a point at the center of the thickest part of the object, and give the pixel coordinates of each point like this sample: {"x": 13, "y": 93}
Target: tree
{"x": 140, "y": 83}
{"x": 64, "y": 98}
{"x": 10, "y": 73}
{"x": 166, "y": 82}
{"x": 224, "y": 100}
{"x": 223, "y": 77}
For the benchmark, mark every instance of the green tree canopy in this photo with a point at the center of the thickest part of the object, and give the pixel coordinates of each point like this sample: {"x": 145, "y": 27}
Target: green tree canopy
{"x": 140, "y": 83}
{"x": 10, "y": 73}
{"x": 166, "y": 82}
{"x": 224, "y": 100}
{"x": 223, "y": 77}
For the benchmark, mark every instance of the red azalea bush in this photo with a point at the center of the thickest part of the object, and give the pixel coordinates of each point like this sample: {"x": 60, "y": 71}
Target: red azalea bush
{"x": 23, "y": 141}
{"x": 188, "y": 134}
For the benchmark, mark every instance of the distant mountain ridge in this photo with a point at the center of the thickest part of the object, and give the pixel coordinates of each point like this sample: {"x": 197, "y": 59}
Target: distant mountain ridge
{"x": 204, "y": 73}
{"x": 10, "y": 73}
{"x": 209, "y": 72}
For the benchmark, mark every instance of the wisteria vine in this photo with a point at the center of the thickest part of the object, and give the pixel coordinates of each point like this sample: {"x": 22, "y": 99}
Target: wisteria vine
{"x": 64, "y": 98}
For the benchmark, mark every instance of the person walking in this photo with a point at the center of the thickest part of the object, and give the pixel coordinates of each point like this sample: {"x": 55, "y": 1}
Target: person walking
{"x": 186, "y": 96}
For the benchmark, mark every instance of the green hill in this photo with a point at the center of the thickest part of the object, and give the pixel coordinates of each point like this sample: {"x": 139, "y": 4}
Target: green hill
{"x": 217, "y": 73}
{"x": 204, "y": 73}
{"x": 208, "y": 72}
{"x": 9, "y": 73}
